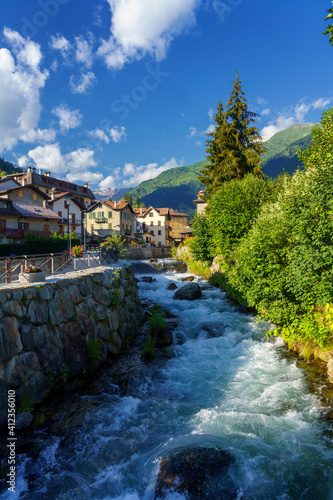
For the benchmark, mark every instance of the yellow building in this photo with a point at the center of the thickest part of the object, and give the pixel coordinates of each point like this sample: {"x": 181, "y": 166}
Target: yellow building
{"x": 154, "y": 225}
{"x": 107, "y": 216}
{"x": 178, "y": 223}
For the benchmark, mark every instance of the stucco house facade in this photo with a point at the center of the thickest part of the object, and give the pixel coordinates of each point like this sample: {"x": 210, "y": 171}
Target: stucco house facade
{"x": 107, "y": 216}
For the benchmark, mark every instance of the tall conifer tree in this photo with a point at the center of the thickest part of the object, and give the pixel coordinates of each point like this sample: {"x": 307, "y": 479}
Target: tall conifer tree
{"x": 236, "y": 145}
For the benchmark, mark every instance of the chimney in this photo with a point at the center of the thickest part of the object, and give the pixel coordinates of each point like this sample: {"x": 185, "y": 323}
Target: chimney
{"x": 85, "y": 184}
{"x": 52, "y": 195}
{"x": 28, "y": 170}
{"x": 24, "y": 181}
{"x": 86, "y": 204}
{"x": 115, "y": 204}
{"x": 47, "y": 174}
{"x": 141, "y": 210}
{"x": 34, "y": 170}
{"x": 40, "y": 171}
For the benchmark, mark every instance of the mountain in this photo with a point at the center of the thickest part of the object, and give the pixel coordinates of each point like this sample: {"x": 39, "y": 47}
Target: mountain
{"x": 115, "y": 194}
{"x": 7, "y": 168}
{"x": 175, "y": 188}
{"x": 178, "y": 187}
{"x": 283, "y": 147}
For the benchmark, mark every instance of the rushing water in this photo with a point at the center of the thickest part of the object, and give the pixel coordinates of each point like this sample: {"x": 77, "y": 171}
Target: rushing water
{"x": 225, "y": 386}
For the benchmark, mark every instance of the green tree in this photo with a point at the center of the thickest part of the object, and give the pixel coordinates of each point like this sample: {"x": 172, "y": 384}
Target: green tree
{"x": 128, "y": 197}
{"x": 329, "y": 30}
{"x": 137, "y": 202}
{"x": 236, "y": 145}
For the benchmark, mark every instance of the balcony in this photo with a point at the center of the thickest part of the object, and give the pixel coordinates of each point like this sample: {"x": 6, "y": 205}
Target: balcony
{"x": 128, "y": 232}
{"x": 100, "y": 220}
{"x": 10, "y": 232}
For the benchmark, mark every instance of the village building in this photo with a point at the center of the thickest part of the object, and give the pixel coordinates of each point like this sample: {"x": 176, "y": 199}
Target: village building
{"x": 107, "y": 216}
{"x": 201, "y": 203}
{"x": 70, "y": 210}
{"x": 46, "y": 183}
{"x": 153, "y": 225}
{"x": 178, "y": 223}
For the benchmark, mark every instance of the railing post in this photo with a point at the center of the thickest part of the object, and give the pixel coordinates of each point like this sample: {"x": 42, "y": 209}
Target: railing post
{"x": 52, "y": 263}
{"x": 25, "y": 261}
{"x": 8, "y": 270}
{"x": 88, "y": 259}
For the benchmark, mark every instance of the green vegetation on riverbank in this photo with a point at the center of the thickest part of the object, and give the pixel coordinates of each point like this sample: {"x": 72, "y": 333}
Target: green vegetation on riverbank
{"x": 276, "y": 243}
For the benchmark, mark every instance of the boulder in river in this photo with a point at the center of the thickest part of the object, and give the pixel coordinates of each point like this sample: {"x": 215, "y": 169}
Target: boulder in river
{"x": 194, "y": 471}
{"x": 188, "y": 279}
{"x": 147, "y": 279}
{"x": 172, "y": 286}
{"x": 191, "y": 291}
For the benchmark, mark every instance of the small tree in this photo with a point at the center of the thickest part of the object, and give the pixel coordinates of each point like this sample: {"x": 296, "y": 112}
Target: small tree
{"x": 202, "y": 247}
{"x": 137, "y": 202}
{"x": 115, "y": 242}
{"x": 128, "y": 197}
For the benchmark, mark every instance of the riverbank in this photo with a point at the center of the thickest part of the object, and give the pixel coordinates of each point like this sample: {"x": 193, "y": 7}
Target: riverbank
{"x": 309, "y": 352}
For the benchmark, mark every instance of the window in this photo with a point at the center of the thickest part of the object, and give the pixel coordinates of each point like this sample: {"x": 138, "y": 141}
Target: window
{"x": 110, "y": 216}
{"x": 177, "y": 219}
{"x": 24, "y": 225}
{"x": 65, "y": 204}
{"x": 159, "y": 223}
{"x": 173, "y": 235}
{"x": 46, "y": 227}
{"x": 109, "y": 225}
{"x": 177, "y": 227}
{"x": 151, "y": 223}
{"x": 34, "y": 196}
{"x": 94, "y": 215}
{"x": 90, "y": 215}
{"x": 131, "y": 217}
{"x": 60, "y": 214}
{"x": 159, "y": 244}
{"x": 122, "y": 226}
{"x": 151, "y": 214}
{"x": 19, "y": 194}
{"x": 159, "y": 232}
{"x": 92, "y": 227}
{"x": 173, "y": 219}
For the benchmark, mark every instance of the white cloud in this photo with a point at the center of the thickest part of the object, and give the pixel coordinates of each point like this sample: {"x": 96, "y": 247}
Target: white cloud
{"x": 210, "y": 129}
{"x": 321, "y": 103}
{"x": 75, "y": 164}
{"x": 82, "y": 177}
{"x": 49, "y": 158}
{"x": 100, "y": 135}
{"x": 84, "y": 50}
{"x": 211, "y": 113}
{"x": 142, "y": 173}
{"x": 266, "y": 112}
{"x": 116, "y": 134}
{"x": 67, "y": 118}
{"x": 107, "y": 183}
{"x": 142, "y": 27}
{"x": 80, "y": 84}
{"x": 61, "y": 43}
{"x": 193, "y": 131}
{"x": 281, "y": 124}
{"x": 21, "y": 83}
{"x": 262, "y": 101}
{"x": 295, "y": 114}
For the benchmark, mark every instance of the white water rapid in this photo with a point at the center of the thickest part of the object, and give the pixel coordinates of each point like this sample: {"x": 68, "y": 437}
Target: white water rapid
{"x": 226, "y": 386}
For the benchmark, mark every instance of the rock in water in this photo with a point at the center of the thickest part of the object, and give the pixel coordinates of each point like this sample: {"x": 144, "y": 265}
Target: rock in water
{"x": 147, "y": 279}
{"x": 194, "y": 470}
{"x": 192, "y": 291}
{"x": 172, "y": 286}
{"x": 188, "y": 279}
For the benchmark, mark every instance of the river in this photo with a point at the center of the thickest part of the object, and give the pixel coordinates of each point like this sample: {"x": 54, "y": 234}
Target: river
{"x": 225, "y": 385}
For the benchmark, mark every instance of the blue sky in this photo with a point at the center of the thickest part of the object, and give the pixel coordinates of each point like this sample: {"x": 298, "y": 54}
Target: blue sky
{"x": 113, "y": 92}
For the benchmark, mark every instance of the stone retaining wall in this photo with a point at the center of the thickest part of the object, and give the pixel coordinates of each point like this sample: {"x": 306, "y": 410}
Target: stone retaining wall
{"x": 62, "y": 327}
{"x": 148, "y": 253}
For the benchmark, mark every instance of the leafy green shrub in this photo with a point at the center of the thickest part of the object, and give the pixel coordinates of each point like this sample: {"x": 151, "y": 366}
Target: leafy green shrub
{"x": 233, "y": 209}
{"x": 156, "y": 323}
{"x": 36, "y": 245}
{"x": 202, "y": 246}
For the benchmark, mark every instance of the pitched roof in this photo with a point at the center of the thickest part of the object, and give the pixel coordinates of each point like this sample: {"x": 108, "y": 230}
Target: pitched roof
{"x": 26, "y": 186}
{"x": 58, "y": 196}
{"x": 163, "y": 211}
{"x": 118, "y": 205}
{"x": 175, "y": 213}
{"x": 27, "y": 210}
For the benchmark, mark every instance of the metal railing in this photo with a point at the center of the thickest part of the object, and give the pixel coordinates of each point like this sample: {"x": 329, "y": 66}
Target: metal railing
{"x": 51, "y": 264}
